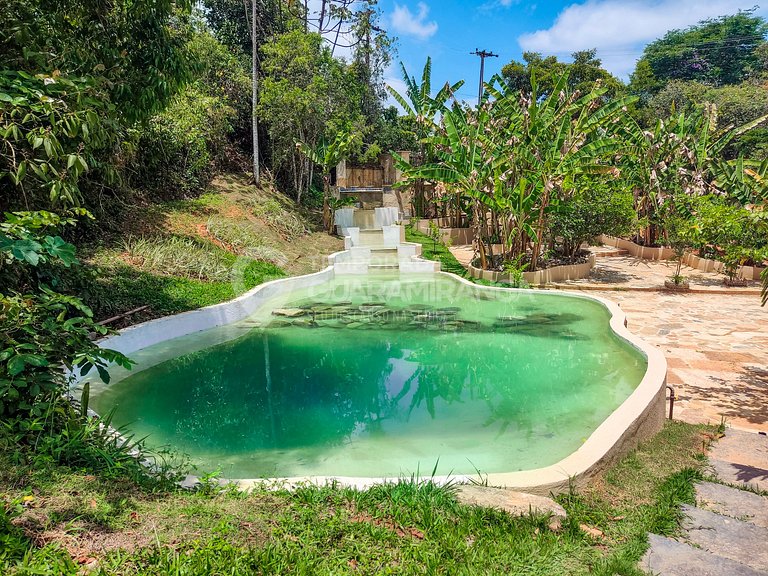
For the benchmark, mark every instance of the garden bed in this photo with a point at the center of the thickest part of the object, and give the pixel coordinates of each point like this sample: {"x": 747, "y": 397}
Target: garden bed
{"x": 689, "y": 259}
{"x": 448, "y": 235}
{"x": 539, "y": 277}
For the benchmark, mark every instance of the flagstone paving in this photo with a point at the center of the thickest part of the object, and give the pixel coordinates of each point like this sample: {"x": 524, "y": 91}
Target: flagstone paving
{"x": 716, "y": 347}
{"x": 715, "y": 340}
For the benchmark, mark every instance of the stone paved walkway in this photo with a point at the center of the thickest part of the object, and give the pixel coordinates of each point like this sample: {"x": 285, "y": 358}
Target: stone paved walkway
{"x": 716, "y": 344}
{"x": 716, "y": 347}
{"x": 631, "y": 272}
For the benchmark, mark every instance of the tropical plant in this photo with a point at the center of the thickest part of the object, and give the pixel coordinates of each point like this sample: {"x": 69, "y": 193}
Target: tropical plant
{"x": 516, "y": 157}
{"x": 680, "y": 237}
{"x": 45, "y": 336}
{"x": 326, "y": 155}
{"x": 419, "y": 105}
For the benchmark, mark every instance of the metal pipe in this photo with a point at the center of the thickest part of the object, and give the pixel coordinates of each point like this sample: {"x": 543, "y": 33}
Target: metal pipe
{"x": 671, "y": 400}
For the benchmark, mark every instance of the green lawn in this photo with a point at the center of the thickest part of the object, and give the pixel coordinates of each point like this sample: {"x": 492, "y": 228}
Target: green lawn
{"x": 437, "y": 251}
{"x": 54, "y": 519}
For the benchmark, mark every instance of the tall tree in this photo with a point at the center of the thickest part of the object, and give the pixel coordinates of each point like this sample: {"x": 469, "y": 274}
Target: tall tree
{"x": 583, "y": 72}
{"x": 718, "y": 51}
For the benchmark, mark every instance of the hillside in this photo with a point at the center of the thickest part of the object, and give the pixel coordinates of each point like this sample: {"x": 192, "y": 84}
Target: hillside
{"x": 181, "y": 255}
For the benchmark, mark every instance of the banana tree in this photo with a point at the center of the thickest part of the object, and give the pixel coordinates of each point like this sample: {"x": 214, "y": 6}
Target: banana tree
{"x": 461, "y": 159}
{"x": 326, "y": 155}
{"x": 422, "y": 108}
{"x": 742, "y": 180}
{"x": 680, "y": 155}
{"x": 549, "y": 143}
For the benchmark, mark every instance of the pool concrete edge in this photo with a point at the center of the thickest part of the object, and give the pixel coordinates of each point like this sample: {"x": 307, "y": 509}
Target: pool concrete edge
{"x": 638, "y": 418}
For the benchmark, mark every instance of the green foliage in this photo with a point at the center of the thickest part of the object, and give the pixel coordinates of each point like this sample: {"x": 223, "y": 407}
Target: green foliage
{"x": 595, "y": 208}
{"x": 721, "y": 225}
{"x": 516, "y": 158}
{"x": 735, "y": 105}
{"x": 52, "y": 129}
{"x": 67, "y": 96}
{"x": 179, "y": 256}
{"x": 515, "y": 268}
{"x": 180, "y": 149}
{"x": 718, "y": 51}
{"x": 583, "y": 72}
{"x": 435, "y": 251}
{"x": 44, "y": 336}
{"x": 287, "y": 222}
{"x": 302, "y": 98}
{"x": 681, "y": 236}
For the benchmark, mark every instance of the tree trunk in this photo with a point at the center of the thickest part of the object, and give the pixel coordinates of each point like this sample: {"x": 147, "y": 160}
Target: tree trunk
{"x": 327, "y": 216}
{"x": 479, "y": 236}
{"x": 255, "y": 94}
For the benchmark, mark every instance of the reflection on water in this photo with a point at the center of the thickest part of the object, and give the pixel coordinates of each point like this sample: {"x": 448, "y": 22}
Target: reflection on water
{"x": 342, "y": 383}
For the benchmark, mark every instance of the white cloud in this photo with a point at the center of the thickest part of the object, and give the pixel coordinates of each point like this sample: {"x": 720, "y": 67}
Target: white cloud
{"x": 408, "y": 24}
{"x": 620, "y": 28}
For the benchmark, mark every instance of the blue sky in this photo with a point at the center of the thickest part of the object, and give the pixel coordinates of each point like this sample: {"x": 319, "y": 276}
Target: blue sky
{"x": 448, "y": 30}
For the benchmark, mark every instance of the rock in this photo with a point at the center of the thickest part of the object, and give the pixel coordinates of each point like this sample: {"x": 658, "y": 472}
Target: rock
{"x": 289, "y": 312}
{"x": 514, "y": 503}
{"x": 727, "y": 537}
{"x": 733, "y": 502}
{"x": 672, "y": 558}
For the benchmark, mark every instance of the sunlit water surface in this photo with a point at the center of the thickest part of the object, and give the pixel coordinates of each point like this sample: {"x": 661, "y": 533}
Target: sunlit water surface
{"x": 382, "y": 376}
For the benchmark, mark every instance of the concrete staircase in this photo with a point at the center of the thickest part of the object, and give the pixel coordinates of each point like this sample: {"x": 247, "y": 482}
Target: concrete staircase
{"x": 375, "y": 242}
{"x": 726, "y": 533}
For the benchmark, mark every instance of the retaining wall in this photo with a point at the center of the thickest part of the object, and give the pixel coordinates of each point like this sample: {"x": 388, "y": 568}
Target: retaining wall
{"x": 545, "y": 276}
{"x": 689, "y": 259}
{"x": 454, "y": 236}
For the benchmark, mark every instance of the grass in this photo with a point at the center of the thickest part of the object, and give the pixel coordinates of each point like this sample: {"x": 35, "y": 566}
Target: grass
{"x": 54, "y": 520}
{"x": 179, "y": 256}
{"x": 432, "y": 250}
{"x": 437, "y": 251}
{"x": 182, "y": 255}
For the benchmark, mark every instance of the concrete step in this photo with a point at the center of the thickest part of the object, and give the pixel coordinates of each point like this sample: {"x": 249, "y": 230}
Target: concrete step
{"x": 739, "y": 504}
{"x": 372, "y": 238}
{"x": 380, "y": 255}
{"x": 727, "y": 537}
{"x": 667, "y": 557}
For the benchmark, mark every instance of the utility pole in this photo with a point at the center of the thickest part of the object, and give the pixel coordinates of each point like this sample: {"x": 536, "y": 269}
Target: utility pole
{"x": 483, "y": 55}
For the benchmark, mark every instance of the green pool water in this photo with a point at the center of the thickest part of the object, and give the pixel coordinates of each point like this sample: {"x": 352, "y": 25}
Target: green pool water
{"x": 382, "y": 376}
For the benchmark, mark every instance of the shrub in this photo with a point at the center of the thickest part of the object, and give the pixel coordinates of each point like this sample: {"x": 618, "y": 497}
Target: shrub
{"x": 45, "y": 336}
{"x": 594, "y": 209}
{"x": 180, "y": 148}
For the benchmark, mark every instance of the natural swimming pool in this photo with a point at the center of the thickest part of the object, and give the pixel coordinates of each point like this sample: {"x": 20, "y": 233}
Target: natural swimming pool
{"x": 380, "y": 376}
